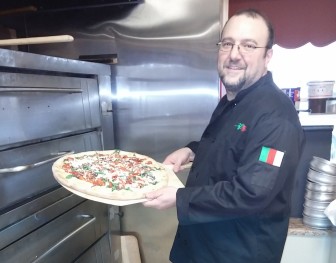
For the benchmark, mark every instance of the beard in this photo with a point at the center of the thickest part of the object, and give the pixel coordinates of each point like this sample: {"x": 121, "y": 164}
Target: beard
{"x": 233, "y": 87}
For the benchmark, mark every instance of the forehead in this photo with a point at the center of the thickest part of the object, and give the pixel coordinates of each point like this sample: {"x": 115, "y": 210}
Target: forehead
{"x": 243, "y": 27}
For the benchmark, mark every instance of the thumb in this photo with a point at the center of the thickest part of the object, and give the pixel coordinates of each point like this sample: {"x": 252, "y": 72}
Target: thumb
{"x": 177, "y": 166}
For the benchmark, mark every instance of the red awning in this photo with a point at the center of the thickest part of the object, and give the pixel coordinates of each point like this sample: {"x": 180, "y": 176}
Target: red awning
{"x": 296, "y": 22}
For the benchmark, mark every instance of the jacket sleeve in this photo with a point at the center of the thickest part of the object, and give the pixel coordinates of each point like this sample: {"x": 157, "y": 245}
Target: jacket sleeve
{"x": 193, "y": 146}
{"x": 255, "y": 186}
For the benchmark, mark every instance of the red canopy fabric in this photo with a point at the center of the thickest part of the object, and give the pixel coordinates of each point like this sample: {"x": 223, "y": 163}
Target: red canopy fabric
{"x": 296, "y": 22}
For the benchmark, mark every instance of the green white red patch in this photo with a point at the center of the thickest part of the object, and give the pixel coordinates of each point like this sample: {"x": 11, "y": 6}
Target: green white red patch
{"x": 271, "y": 156}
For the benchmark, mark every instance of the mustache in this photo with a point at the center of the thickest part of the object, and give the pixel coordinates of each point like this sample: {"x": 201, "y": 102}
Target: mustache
{"x": 235, "y": 65}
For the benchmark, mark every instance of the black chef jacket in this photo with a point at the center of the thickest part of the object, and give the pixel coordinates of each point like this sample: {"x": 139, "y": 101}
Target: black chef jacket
{"x": 235, "y": 207}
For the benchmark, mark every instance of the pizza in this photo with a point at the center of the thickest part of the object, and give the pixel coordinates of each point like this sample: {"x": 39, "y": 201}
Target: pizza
{"x": 114, "y": 174}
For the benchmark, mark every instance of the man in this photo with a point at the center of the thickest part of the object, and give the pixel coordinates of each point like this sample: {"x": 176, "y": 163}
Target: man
{"x": 235, "y": 207}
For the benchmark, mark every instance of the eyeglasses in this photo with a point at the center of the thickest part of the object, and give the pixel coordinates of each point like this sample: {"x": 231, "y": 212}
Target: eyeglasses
{"x": 226, "y": 46}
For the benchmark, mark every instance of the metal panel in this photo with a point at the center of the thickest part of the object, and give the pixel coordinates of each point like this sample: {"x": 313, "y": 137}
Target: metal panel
{"x": 166, "y": 82}
{"x": 166, "y": 89}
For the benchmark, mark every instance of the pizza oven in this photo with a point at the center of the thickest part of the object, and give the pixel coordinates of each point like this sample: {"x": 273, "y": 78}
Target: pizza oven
{"x": 50, "y": 107}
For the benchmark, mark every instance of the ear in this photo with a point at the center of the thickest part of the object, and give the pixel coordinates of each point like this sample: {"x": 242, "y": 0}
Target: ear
{"x": 268, "y": 56}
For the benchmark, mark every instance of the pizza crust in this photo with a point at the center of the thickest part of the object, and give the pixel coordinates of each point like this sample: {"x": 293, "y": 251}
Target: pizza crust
{"x": 102, "y": 191}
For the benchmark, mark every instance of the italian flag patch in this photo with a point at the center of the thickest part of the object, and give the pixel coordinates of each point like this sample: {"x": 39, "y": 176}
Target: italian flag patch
{"x": 271, "y": 156}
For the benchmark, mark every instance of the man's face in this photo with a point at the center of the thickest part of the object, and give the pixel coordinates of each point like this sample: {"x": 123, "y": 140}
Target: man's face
{"x": 239, "y": 70}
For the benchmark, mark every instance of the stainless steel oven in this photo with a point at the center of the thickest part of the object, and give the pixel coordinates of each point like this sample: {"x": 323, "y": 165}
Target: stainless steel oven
{"x": 49, "y": 107}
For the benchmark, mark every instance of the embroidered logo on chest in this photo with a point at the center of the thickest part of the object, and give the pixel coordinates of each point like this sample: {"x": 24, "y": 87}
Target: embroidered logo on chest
{"x": 241, "y": 127}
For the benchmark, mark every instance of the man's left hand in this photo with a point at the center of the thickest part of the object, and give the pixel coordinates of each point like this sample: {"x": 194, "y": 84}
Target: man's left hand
{"x": 162, "y": 198}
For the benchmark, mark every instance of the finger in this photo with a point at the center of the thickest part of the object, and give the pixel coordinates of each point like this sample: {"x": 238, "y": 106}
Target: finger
{"x": 175, "y": 167}
{"x": 152, "y": 195}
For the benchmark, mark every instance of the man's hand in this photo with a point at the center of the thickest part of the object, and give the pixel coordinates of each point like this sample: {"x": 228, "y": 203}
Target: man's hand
{"x": 178, "y": 158}
{"x": 162, "y": 198}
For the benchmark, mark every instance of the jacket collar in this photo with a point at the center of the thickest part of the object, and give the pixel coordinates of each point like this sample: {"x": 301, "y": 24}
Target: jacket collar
{"x": 241, "y": 94}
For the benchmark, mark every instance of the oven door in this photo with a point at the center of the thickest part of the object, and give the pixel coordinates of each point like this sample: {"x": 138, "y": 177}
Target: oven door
{"x": 25, "y": 172}
{"x": 35, "y": 107}
{"x": 63, "y": 239}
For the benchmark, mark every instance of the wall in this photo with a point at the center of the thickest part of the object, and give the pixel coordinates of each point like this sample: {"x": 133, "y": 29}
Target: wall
{"x": 296, "y": 22}
{"x": 296, "y": 67}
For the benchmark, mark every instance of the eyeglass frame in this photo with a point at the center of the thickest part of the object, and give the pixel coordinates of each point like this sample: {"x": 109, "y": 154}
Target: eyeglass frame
{"x": 219, "y": 44}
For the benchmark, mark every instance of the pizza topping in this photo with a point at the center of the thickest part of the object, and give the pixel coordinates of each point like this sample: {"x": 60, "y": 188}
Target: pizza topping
{"x": 115, "y": 171}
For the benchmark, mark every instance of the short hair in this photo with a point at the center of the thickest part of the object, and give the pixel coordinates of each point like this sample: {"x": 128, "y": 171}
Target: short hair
{"x": 250, "y": 12}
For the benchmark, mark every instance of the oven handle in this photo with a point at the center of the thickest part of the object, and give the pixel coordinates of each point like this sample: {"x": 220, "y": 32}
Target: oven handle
{"x": 29, "y": 166}
{"x": 64, "y": 239}
{"x": 41, "y": 89}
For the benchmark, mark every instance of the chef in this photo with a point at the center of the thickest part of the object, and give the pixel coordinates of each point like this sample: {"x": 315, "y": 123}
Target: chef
{"x": 235, "y": 207}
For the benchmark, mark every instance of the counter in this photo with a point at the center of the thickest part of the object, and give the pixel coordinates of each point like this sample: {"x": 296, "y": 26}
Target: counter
{"x": 308, "y": 245}
{"x": 297, "y": 228}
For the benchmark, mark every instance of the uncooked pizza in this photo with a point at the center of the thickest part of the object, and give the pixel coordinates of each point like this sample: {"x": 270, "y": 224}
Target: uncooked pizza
{"x": 115, "y": 174}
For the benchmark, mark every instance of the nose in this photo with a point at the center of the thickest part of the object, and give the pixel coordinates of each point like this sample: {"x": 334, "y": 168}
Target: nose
{"x": 235, "y": 52}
